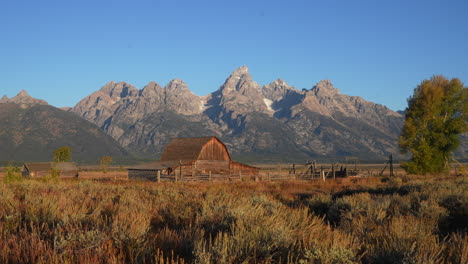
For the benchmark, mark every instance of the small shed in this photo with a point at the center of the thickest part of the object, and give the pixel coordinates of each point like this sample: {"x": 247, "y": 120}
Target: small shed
{"x": 148, "y": 171}
{"x": 191, "y": 157}
{"x": 65, "y": 169}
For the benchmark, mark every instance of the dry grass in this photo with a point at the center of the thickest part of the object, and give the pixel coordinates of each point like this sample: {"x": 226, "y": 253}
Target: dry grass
{"x": 119, "y": 175}
{"x": 367, "y": 220}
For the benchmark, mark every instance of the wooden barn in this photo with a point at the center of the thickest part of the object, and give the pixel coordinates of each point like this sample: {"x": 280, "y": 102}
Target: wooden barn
{"x": 189, "y": 157}
{"x": 65, "y": 169}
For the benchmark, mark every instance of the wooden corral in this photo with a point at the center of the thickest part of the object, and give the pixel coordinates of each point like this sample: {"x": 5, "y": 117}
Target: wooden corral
{"x": 65, "y": 169}
{"x": 186, "y": 158}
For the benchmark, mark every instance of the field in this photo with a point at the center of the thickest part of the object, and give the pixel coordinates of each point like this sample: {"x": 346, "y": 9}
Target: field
{"x": 404, "y": 219}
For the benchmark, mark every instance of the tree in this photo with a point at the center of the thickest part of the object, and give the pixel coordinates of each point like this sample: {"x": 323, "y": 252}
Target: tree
{"x": 435, "y": 116}
{"x": 104, "y": 162}
{"x": 62, "y": 154}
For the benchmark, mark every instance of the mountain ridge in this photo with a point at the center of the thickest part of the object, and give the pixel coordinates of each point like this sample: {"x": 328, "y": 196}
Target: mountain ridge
{"x": 241, "y": 112}
{"x": 269, "y": 123}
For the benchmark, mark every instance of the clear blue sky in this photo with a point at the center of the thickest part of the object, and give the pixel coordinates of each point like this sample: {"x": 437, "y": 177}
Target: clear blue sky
{"x": 62, "y": 51}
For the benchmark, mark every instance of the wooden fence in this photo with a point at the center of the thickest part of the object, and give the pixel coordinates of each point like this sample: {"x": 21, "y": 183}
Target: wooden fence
{"x": 210, "y": 171}
{"x": 262, "y": 176}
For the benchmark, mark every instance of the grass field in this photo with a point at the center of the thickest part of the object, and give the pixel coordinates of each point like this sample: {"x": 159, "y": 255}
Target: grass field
{"x": 367, "y": 220}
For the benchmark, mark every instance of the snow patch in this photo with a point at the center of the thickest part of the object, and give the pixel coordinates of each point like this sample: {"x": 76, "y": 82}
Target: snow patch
{"x": 203, "y": 104}
{"x": 115, "y": 101}
{"x": 268, "y": 103}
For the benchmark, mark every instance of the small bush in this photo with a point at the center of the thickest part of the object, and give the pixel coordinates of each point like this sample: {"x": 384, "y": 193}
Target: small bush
{"x": 457, "y": 218}
{"x": 336, "y": 211}
{"x": 13, "y": 174}
{"x": 53, "y": 176}
{"x": 319, "y": 205}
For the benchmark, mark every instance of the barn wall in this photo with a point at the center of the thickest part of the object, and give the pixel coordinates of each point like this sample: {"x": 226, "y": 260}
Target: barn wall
{"x": 215, "y": 166}
{"x": 243, "y": 168}
{"x": 62, "y": 174}
{"x": 214, "y": 150}
{"x": 39, "y": 173}
{"x": 68, "y": 174}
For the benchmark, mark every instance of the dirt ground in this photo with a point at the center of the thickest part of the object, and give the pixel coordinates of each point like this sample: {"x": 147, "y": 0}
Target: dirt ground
{"x": 111, "y": 175}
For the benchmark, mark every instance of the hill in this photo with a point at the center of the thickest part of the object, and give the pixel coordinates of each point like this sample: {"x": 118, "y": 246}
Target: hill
{"x": 32, "y": 130}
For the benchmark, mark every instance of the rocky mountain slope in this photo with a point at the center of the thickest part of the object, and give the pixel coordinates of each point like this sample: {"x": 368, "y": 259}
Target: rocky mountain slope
{"x": 31, "y": 130}
{"x": 272, "y": 122}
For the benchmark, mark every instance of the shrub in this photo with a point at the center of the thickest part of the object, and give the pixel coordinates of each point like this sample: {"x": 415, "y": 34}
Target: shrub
{"x": 105, "y": 222}
{"x": 457, "y": 218}
{"x": 13, "y": 174}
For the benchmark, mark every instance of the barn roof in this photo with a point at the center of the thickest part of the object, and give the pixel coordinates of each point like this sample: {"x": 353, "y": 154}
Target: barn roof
{"x": 66, "y": 166}
{"x": 43, "y": 166}
{"x": 185, "y": 148}
{"x": 47, "y": 166}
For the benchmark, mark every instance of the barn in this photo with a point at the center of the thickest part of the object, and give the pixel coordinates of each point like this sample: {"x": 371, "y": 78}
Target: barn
{"x": 189, "y": 157}
{"x": 65, "y": 169}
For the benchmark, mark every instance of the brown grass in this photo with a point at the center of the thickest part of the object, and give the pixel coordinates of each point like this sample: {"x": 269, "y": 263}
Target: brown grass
{"x": 366, "y": 220}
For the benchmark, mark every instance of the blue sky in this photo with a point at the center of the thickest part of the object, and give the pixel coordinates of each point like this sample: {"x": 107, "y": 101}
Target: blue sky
{"x": 62, "y": 51}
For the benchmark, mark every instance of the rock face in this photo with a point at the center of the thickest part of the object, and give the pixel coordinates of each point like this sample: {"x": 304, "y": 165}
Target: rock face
{"x": 278, "y": 91}
{"x": 32, "y": 130}
{"x": 266, "y": 123}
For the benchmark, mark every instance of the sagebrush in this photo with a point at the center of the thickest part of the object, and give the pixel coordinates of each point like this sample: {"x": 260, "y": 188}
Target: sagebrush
{"x": 365, "y": 221}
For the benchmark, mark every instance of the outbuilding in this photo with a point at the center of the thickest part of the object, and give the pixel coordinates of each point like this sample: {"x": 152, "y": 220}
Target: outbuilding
{"x": 189, "y": 157}
{"x": 65, "y": 169}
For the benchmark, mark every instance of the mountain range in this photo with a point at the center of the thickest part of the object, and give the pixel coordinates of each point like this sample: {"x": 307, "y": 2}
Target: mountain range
{"x": 269, "y": 123}
{"x": 262, "y": 123}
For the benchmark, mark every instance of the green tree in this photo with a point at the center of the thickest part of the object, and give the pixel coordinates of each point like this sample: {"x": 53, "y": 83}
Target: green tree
{"x": 62, "y": 154}
{"x": 435, "y": 116}
{"x": 105, "y": 162}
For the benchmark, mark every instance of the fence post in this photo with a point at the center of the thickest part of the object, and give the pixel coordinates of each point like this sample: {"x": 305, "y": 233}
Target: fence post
{"x": 391, "y": 166}
{"x": 333, "y": 170}
{"x": 180, "y": 170}
{"x": 314, "y": 164}
{"x": 240, "y": 175}
{"x": 209, "y": 176}
{"x": 158, "y": 176}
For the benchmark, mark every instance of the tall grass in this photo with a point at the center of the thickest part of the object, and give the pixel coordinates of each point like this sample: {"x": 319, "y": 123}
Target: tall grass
{"x": 361, "y": 221}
